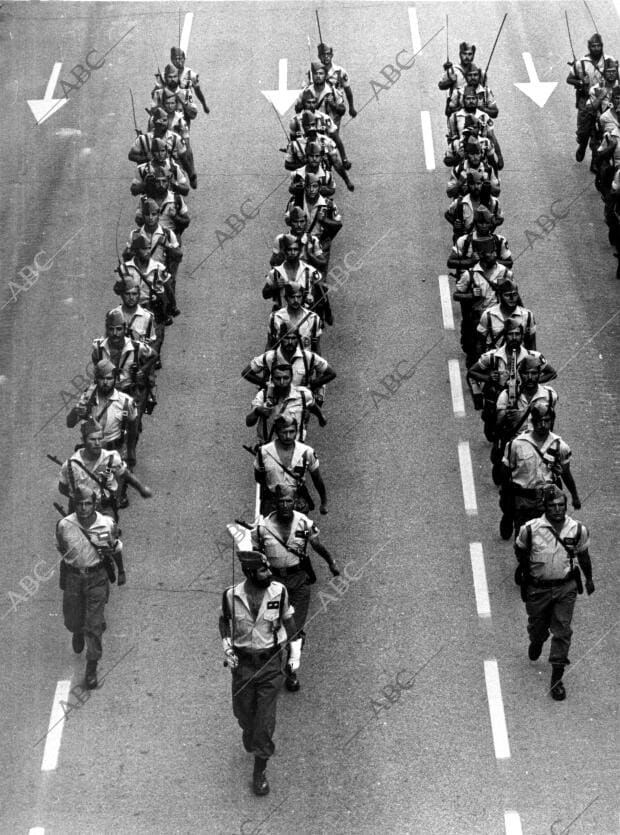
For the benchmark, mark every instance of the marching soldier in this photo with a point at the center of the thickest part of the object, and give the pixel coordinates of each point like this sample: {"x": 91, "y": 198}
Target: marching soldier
{"x": 278, "y": 396}
{"x": 550, "y": 551}
{"x": 585, "y": 73}
{"x": 256, "y": 620}
{"x": 531, "y": 461}
{"x": 309, "y": 369}
{"x": 337, "y": 76}
{"x": 101, "y": 472}
{"x": 313, "y": 166}
{"x": 285, "y": 461}
{"x": 86, "y": 540}
{"x": 297, "y": 318}
{"x": 486, "y": 100}
{"x": 113, "y": 410}
{"x": 474, "y": 161}
{"x": 188, "y": 79}
{"x": 177, "y": 181}
{"x": 134, "y": 361}
{"x": 490, "y": 330}
{"x": 292, "y": 270}
{"x": 498, "y": 368}
{"x": 324, "y": 219}
{"x": 139, "y": 322}
{"x": 283, "y": 536}
{"x": 310, "y": 247}
{"x": 477, "y": 212}
{"x": 141, "y": 150}
{"x": 469, "y": 248}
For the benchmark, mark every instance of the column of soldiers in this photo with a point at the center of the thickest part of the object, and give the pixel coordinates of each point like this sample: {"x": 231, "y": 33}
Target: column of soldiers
{"x": 507, "y": 375}
{"x": 262, "y": 618}
{"x": 111, "y": 412}
{"x": 594, "y": 78}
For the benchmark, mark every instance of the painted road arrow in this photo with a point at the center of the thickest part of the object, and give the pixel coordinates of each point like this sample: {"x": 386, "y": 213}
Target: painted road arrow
{"x": 538, "y": 91}
{"x": 281, "y": 98}
{"x": 43, "y": 108}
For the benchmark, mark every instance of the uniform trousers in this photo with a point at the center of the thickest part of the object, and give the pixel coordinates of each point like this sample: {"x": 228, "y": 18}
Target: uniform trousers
{"x": 551, "y": 610}
{"x": 255, "y": 685}
{"x": 83, "y": 604}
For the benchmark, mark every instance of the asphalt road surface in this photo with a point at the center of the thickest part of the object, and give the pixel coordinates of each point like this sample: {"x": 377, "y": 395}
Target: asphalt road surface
{"x": 397, "y": 727}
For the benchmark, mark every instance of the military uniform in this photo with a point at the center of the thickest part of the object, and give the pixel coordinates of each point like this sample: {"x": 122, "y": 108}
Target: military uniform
{"x": 296, "y": 403}
{"x": 257, "y": 637}
{"x": 305, "y": 364}
{"x": 306, "y": 322}
{"x": 99, "y": 476}
{"x": 86, "y": 587}
{"x": 291, "y": 471}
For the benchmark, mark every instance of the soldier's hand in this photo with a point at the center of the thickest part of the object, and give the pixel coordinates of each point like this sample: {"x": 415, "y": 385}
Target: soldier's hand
{"x": 81, "y": 410}
{"x": 334, "y": 569}
{"x": 350, "y": 185}
{"x": 448, "y": 65}
{"x": 576, "y": 503}
{"x": 323, "y": 510}
{"x": 146, "y": 492}
{"x": 589, "y": 586}
{"x": 206, "y": 109}
{"x": 494, "y": 376}
{"x": 352, "y": 112}
{"x": 231, "y": 659}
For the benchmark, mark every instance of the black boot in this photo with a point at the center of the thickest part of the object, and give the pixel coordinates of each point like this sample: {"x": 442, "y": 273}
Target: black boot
{"x": 91, "y": 675}
{"x": 259, "y": 778}
{"x": 558, "y": 691}
{"x": 581, "y": 151}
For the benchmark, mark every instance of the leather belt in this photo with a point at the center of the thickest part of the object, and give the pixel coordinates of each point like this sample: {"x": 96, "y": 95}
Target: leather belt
{"x": 285, "y": 572}
{"x": 88, "y": 570}
{"x": 549, "y": 584}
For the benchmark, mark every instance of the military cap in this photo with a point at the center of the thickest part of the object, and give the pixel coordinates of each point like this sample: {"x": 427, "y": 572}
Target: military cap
{"x": 284, "y": 420}
{"x": 529, "y": 363}
{"x": 104, "y": 367}
{"x": 176, "y": 52}
{"x": 611, "y": 64}
{"x": 308, "y": 94}
{"x": 512, "y": 324}
{"x": 506, "y": 285}
{"x": 285, "y": 491}
{"x": 313, "y": 148}
{"x": 316, "y": 65}
{"x": 150, "y": 204}
{"x": 88, "y": 427}
{"x": 482, "y": 214}
{"x": 596, "y": 38}
{"x": 114, "y": 317}
{"x": 292, "y": 287}
{"x": 464, "y": 46}
{"x": 288, "y": 241}
{"x": 297, "y": 213}
{"x": 552, "y": 492}
{"x": 82, "y": 492}
{"x": 252, "y": 559}
{"x": 129, "y": 282}
{"x": 158, "y": 113}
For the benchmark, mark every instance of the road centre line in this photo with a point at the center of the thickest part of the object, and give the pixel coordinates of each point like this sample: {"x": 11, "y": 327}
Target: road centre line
{"x": 512, "y": 823}
{"x": 467, "y": 479}
{"x": 481, "y": 588}
{"x": 57, "y": 720}
{"x": 187, "y": 30}
{"x": 427, "y": 139}
{"x": 496, "y": 710}
{"x": 36, "y": 830}
{"x": 456, "y": 388}
{"x": 416, "y": 41}
{"x": 446, "y": 303}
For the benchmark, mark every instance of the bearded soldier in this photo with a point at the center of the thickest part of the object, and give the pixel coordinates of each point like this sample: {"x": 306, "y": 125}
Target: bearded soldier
{"x": 550, "y": 551}
{"x": 256, "y": 619}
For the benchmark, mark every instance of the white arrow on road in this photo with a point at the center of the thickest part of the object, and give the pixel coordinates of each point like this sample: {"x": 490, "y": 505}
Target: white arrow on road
{"x": 538, "y": 91}
{"x": 281, "y": 98}
{"x": 43, "y": 108}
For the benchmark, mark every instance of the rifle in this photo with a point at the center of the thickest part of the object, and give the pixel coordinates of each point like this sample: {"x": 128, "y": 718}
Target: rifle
{"x": 512, "y": 381}
{"x": 318, "y": 25}
{"x": 484, "y": 77}
{"x": 596, "y": 29}
{"x": 104, "y": 554}
{"x": 570, "y": 40}
{"x": 133, "y": 110}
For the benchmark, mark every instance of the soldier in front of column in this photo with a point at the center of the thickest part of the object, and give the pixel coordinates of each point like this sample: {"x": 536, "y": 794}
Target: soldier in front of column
{"x": 87, "y": 541}
{"x": 278, "y": 396}
{"x": 531, "y": 461}
{"x": 256, "y": 620}
{"x": 283, "y": 537}
{"x": 585, "y": 73}
{"x": 550, "y": 551}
